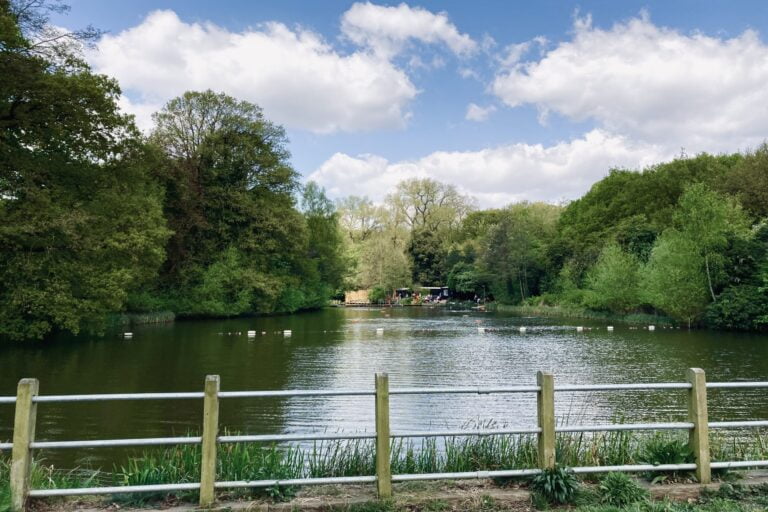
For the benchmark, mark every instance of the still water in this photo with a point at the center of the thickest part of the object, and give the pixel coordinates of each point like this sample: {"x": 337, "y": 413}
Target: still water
{"x": 339, "y": 348}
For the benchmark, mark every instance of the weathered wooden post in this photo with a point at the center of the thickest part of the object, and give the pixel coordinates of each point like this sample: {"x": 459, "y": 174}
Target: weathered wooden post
{"x": 545, "y": 406}
{"x": 210, "y": 433}
{"x": 23, "y": 436}
{"x": 383, "y": 469}
{"x": 698, "y": 415}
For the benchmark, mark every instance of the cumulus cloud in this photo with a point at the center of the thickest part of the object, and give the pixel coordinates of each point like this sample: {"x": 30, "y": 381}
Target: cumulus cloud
{"x": 297, "y": 77}
{"x": 477, "y": 113}
{"x": 496, "y": 176}
{"x": 649, "y": 83}
{"x": 387, "y": 29}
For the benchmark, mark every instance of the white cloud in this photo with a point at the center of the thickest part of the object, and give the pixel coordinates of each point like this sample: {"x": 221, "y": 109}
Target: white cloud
{"x": 298, "y": 78}
{"x": 477, "y": 113}
{"x": 496, "y": 176}
{"x": 386, "y": 30}
{"x": 650, "y": 83}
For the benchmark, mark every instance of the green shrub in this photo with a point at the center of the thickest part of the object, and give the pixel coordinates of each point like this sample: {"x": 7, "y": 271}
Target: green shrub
{"x": 619, "y": 489}
{"x": 660, "y": 449}
{"x": 377, "y": 295}
{"x": 558, "y": 485}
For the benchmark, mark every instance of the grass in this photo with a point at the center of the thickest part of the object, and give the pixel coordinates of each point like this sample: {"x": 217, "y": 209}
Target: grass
{"x": 251, "y": 461}
{"x": 48, "y": 477}
{"x": 127, "y": 319}
{"x": 727, "y": 499}
{"x": 578, "y": 312}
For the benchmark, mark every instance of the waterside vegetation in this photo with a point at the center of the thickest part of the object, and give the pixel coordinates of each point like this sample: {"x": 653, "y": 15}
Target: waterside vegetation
{"x": 205, "y": 216}
{"x": 181, "y": 464}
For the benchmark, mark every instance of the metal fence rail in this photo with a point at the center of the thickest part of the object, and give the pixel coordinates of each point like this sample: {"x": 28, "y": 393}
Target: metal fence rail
{"x": 546, "y": 429}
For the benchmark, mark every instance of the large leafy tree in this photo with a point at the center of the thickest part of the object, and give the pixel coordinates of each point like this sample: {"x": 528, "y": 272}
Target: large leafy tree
{"x": 80, "y": 219}
{"x": 513, "y": 252}
{"x": 230, "y": 201}
{"x": 674, "y": 278}
{"x": 325, "y": 258}
{"x": 614, "y": 281}
{"x": 709, "y": 220}
{"x": 749, "y": 182}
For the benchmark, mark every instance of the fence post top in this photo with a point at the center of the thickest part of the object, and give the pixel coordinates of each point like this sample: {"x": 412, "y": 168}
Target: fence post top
{"x": 382, "y": 375}
{"x": 695, "y": 371}
{"x": 29, "y": 382}
{"x": 212, "y": 380}
{"x": 541, "y": 375}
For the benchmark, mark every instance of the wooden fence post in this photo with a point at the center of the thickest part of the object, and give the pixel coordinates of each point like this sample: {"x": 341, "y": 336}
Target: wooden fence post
{"x": 698, "y": 415}
{"x": 383, "y": 469}
{"x": 545, "y": 407}
{"x": 210, "y": 434}
{"x": 23, "y": 436}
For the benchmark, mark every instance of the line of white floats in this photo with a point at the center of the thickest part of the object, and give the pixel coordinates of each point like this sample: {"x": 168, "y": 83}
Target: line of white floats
{"x": 380, "y": 331}
{"x": 579, "y": 328}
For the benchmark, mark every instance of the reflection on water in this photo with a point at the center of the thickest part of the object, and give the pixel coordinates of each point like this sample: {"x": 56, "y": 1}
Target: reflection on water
{"x": 339, "y": 348}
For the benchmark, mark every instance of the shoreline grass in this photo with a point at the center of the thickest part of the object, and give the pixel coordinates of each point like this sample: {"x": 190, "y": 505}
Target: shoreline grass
{"x": 241, "y": 461}
{"x": 581, "y": 313}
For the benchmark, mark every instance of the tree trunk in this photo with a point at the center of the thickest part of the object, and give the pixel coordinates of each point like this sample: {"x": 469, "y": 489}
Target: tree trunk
{"x": 709, "y": 278}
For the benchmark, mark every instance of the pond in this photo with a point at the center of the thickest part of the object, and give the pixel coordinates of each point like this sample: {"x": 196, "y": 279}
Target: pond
{"x": 340, "y": 348}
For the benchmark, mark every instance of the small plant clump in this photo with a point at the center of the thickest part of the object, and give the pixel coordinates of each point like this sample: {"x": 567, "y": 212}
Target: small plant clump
{"x": 620, "y": 490}
{"x": 661, "y": 450}
{"x": 558, "y": 485}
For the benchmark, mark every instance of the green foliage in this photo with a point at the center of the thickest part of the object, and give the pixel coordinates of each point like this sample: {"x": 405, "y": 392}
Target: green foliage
{"x": 558, "y": 485}
{"x": 428, "y": 257}
{"x": 614, "y": 281}
{"x": 674, "y": 279}
{"x": 378, "y": 295}
{"x": 620, "y": 490}
{"x": 748, "y": 182}
{"x": 81, "y": 223}
{"x": 660, "y": 449}
{"x": 739, "y": 308}
{"x": 513, "y": 252}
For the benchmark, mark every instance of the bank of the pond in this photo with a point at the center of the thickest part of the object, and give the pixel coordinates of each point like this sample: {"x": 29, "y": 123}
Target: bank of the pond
{"x": 566, "y": 312}
{"x": 128, "y": 319}
{"x": 238, "y": 462}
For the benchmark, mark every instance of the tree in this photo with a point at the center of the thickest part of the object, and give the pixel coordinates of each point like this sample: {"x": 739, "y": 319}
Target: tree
{"x": 227, "y": 179}
{"x": 614, "y": 281}
{"x": 743, "y": 303}
{"x": 426, "y": 252}
{"x": 80, "y": 218}
{"x": 513, "y": 251}
{"x": 708, "y": 219}
{"x": 748, "y": 182}
{"x": 229, "y": 186}
{"x": 359, "y": 217}
{"x": 673, "y": 279}
{"x": 324, "y": 245}
{"x": 429, "y": 204}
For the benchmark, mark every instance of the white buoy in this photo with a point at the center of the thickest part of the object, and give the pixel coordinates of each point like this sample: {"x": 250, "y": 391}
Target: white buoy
{"x": 651, "y": 327}
{"x": 481, "y": 330}
{"x": 609, "y": 328}
{"x": 251, "y": 334}
{"x": 523, "y": 329}
{"x": 379, "y": 331}
{"x": 579, "y": 329}
{"x": 287, "y": 332}
{"x": 128, "y": 335}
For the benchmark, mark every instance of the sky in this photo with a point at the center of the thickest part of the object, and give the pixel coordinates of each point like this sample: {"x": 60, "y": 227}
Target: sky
{"x": 508, "y": 101}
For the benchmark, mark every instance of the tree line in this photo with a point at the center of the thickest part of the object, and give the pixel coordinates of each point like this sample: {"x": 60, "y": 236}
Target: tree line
{"x": 203, "y": 217}
{"x": 686, "y": 238}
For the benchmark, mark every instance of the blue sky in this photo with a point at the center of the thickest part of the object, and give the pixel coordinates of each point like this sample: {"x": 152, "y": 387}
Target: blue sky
{"x": 508, "y": 101}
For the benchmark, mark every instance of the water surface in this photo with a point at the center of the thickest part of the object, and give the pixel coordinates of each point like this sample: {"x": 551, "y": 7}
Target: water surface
{"x": 339, "y": 348}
